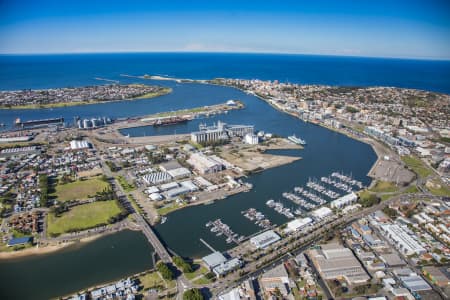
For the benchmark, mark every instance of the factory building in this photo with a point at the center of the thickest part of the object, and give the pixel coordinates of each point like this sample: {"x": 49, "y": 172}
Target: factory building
{"x": 297, "y": 224}
{"x": 251, "y": 139}
{"x": 92, "y": 123}
{"x": 156, "y": 178}
{"x": 264, "y": 239}
{"x": 19, "y": 151}
{"x": 333, "y": 261}
{"x": 227, "y": 267}
{"x": 322, "y": 213}
{"x": 220, "y": 132}
{"x": 214, "y": 259}
{"x": 344, "y": 201}
{"x": 276, "y": 280}
{"x": 205, "y": 164}
{"x": 415, "y": 283}
{"x": 402, "y": 240}
{"x": 78, "y": 145}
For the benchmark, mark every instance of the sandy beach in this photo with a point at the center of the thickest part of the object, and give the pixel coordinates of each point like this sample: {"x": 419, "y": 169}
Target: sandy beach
{"x": 47, "y": 249}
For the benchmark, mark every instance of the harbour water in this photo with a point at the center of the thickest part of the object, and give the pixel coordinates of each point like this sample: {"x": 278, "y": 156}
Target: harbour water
{"x": 124, "y": 253}
{"x": 75, "y": 267}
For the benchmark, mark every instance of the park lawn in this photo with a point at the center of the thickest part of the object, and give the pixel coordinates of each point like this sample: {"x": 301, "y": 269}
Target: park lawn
{"x": 365, "y": 194}
{"x": 384, "y": 187}
{"x": 152, "y": 280}
{"x": 199, "y": 270}
{"x": 82, "y": 217}
{"x": 79, "y": 190}
{"x": 443, "y": 191}
{"x": 412, "y": 189}
{"x": 169, "y": 208}
{"x": 417, "y": 165}
{"x": 387, "y": 196}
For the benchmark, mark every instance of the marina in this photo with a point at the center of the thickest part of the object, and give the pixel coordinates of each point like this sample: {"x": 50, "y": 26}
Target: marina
{"x": 279, "y": 208}
{"x": 259, "y": 218}
{"x": 220, "y": 228}
{"x": 314, "y": 194}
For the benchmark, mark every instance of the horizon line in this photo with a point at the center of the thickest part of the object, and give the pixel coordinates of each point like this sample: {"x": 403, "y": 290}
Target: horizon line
{"x": 220, "y": 52}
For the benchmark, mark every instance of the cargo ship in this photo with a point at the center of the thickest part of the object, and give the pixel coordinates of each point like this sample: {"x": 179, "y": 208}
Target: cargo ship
{"x": 36, "y": 123}
{"x": 296, "y": 140}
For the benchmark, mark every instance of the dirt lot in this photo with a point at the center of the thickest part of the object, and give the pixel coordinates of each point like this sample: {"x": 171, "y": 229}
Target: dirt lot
{"x": 252, "y": 157}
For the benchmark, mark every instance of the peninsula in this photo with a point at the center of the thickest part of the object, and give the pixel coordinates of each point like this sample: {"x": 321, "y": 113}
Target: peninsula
{"x": 71, "y": 96}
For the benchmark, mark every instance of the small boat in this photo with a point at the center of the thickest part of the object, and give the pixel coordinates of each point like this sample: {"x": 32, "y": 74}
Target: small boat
{"x": 163, "y": 220}
{"x": 270, "y": 202}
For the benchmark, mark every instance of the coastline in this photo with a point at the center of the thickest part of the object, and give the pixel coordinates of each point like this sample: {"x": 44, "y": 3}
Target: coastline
{"x": 37, "y": 251}
{"x": 152, "y": 95}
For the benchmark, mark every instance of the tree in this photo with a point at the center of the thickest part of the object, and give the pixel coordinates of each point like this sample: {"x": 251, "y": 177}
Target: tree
{"x": 182, "y": 264}
{"x": 65, "y": 178}
{"x": 43, "y": 186}
{"x": 390, "y": 212}
{"x": 164, "y": 270}
{"x": 351, "y": 109}
{"x": 369, "y": 200}
{"x": 193, "y": 294}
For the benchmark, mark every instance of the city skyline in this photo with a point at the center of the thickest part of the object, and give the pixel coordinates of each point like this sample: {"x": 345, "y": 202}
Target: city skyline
{"x": 404, "y": 29}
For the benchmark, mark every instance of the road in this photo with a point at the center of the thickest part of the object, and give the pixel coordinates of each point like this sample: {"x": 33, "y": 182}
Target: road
{"x": 306, "y": 240}
{"x": 182, "y": 283}
{"x": 140, "y": 221}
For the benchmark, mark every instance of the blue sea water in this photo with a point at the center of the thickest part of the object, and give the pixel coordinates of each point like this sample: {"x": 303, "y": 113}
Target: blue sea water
{"x": 45, "y": 71}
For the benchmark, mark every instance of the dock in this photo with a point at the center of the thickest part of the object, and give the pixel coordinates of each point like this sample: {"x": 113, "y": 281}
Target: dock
{"x": 207, "y": 245}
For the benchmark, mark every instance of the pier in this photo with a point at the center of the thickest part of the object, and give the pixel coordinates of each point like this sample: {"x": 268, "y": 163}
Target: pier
{"x": 207, "y": 245}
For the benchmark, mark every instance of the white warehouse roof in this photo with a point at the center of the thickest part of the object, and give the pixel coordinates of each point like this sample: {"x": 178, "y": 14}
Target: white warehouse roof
{"x": 322, "y": 212}
{"x": 298, "y": 224}
{"x": 179, "y": 172}
{"x": 265, "y": 239}
{"x": 344, "y": 200}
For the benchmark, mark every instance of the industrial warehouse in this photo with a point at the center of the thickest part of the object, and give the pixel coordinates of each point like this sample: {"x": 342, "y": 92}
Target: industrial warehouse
{"x": 220, "y": 132}
{"x": 333, "y": 261}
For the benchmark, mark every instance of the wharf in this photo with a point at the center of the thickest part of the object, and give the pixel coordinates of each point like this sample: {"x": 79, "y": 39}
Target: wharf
{"x": 178, "y": 116}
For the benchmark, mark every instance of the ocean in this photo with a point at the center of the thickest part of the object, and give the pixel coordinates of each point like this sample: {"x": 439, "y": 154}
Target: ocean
{"x": 50, "y": 71}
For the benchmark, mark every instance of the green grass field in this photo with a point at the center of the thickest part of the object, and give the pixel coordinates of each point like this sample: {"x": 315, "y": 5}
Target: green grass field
{"x": 169, "y": 208}
{"x": 384, "y": 187}
{"x": 82, "y": 217}
{"x": 79, "y": 190}
{"x": 365, "y": 194}
{"x": 199, "y": 270}
{"x": 417, "y": 165}
{"x": 443, "y": 191}
{"x": 152, "y": 281}
{"x": 412, "y": 189}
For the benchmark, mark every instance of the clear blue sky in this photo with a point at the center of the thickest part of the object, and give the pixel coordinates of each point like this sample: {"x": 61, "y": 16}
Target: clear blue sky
{"x": 385, "y": 28}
